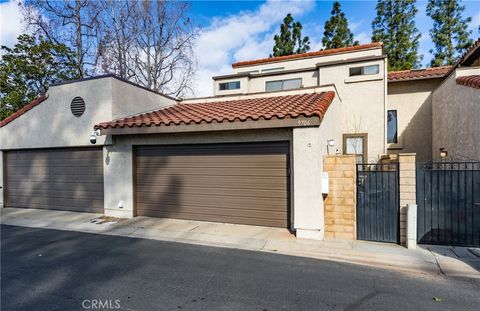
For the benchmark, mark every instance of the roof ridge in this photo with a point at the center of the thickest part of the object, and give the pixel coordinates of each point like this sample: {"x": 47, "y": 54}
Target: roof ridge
{"x": 23, "y": 110}
{"x": 309, "y": 54}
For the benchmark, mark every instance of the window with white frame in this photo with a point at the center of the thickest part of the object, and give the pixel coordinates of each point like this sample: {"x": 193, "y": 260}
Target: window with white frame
{"x": 280, "y": 85}
{"x": 233, "y": 85}
{"x": 364, "y": 70}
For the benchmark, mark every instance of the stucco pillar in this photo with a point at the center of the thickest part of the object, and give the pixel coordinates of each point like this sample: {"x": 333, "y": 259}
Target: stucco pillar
{"x": 308, "y": 207}
{"x": 407, "y": 190}
{"x": 118, "y": 180}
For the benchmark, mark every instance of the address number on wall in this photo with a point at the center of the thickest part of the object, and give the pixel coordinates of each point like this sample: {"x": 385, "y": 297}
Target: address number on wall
{"x": 304, "y": 122}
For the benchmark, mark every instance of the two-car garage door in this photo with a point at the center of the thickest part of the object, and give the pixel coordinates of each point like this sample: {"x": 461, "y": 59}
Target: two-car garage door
{"x": 244, "y": 183}
{"x": 63, "y": 179}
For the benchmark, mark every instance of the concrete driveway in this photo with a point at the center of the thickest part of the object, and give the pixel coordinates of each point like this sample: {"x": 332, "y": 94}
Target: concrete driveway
{"x": 44, "y": 269}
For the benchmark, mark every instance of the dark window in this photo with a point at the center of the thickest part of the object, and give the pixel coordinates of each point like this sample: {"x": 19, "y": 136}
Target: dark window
{"x": 279, "y": 85}
{"x": 77, "y": 106}
{"x": 234, "y": 85}
{"x": 392, "y": 127}
{"x": 364, "y": 70}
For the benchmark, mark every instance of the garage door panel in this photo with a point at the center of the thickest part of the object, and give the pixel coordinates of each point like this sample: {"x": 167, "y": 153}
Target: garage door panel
{"x": 238, "y": 183}
{"x": 218, "y": 171}
{"x": 250, "y": 213}
{"x": 268, "y": 222}
{"x": 65, "y": 179}
{"x": 220, "y": 195}
{"x": 213, "y": 161}
{"x": 253, "y": 182}
{"x": 61, "y": 193}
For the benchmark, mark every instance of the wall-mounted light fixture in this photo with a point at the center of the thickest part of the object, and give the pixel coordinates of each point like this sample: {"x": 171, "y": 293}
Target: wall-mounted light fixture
{"x": 330, "y": 144}
{"x": 443, "y": 153}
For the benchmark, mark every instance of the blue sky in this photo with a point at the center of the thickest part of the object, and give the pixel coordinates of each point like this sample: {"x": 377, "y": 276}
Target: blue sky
{"x": 241, "y": 30}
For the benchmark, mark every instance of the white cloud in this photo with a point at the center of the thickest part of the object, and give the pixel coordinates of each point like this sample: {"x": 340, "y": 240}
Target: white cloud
{"x": 246, "y": 35}
{"x": 10, "y": 23}
{"x": 475, "y": 24}
{"x": 363, "y": 37}
{"x": 354, "y": 25}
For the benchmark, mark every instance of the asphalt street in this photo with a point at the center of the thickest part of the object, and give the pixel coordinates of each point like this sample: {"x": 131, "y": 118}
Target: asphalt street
{"x": 61, "y": 270}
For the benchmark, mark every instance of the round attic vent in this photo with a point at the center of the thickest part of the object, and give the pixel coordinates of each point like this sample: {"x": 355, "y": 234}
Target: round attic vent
{"x": 77, "y": 106}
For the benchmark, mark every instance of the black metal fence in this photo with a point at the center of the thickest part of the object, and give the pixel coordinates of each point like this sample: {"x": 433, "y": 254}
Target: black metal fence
{"x": 448, "y": 199}
{"x": 378, "y": 202}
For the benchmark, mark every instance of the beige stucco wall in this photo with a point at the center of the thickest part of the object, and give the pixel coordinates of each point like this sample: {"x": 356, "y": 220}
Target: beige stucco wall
{"x": 52, "y": 124}
{"x": 413, "y": 102}
{"x": 455, "y": 118}
{"x": 363, "y": 104}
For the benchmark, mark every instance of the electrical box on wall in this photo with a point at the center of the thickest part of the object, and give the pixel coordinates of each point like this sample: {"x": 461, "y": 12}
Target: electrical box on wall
{"x": 324, "y": 183}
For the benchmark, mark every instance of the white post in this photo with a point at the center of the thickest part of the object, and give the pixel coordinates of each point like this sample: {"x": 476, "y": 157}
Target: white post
{"x": 411, "y": 226}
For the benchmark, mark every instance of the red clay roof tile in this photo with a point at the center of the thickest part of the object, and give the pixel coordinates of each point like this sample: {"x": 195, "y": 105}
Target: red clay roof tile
{"x": 471, "y": 81}
{"x": 309, "y": 54}
{"x": 23, "y": 110}
{"x": 280, "y": 107}
{"x": 418, "y": 74}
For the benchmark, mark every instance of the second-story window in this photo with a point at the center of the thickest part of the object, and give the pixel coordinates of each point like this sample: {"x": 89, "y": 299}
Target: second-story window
{"x": 280, "y": 85}
{"x": 364, "y": 70}
{"x": 234, "y": 85}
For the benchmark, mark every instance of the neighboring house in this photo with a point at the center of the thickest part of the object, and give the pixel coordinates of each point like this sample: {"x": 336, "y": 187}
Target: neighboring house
{"x": 252, "y": 154}
{"x": 436, "y": 108}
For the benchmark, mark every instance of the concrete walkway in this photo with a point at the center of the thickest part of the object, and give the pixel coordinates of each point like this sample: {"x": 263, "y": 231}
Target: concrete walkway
{"x": 455, "y": 262}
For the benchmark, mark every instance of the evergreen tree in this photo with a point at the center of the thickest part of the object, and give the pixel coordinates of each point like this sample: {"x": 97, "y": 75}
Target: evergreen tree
{"x": 449, "y": 33}
{"x": 337, "y": 34}
{"x": 290, "y": 40}
{"x": 27, "y": 70}
{"x": 394, "y": 25}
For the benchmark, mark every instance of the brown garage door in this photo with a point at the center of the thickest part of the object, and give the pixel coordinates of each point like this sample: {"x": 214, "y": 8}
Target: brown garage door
{"x": 233, "y": 183}
{"x": 61, "y": 179}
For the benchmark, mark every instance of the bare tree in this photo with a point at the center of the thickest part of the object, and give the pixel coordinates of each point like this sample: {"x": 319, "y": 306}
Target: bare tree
{"x": 74, "y": 23}
{"x": 151, "y": 43}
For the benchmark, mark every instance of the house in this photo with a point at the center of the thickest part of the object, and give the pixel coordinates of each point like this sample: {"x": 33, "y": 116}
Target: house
{"x": 436, "y": 108}
{"x": 251, "y": 154}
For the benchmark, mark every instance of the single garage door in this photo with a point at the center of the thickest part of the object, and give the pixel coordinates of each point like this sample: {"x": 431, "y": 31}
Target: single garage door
{"x": 232, "y": 183}
{"x": 61, "y": 179}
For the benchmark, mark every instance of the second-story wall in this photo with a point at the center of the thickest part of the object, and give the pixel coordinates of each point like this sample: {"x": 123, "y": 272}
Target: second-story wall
{"x": 363, "y": 97}
{"x": 455, "y": 118}
{"x": 412, "y": 101}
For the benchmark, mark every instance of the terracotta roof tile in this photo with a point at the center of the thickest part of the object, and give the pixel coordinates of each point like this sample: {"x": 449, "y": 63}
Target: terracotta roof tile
{"x": 471, "y": 81}
{"x": 418, "y": 74}
{"x": 309, "y": 54}
{"x": 280, "y": 107}
{"x": 23, "y": 110}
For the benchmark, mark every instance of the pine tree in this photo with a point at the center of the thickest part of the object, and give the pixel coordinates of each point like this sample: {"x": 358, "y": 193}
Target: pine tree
{"x": 394, "y": 25}
{"x": 337, "y": 34}
{"x": 290, "y": 40}
{"x": 450, "y": 32}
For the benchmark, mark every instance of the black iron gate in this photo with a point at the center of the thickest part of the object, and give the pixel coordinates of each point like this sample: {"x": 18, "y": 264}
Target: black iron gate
{"x": 378, "y": 208}
{"x": 448, "y": 199}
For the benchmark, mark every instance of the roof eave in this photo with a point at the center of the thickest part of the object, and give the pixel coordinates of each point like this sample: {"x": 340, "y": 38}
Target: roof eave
{"x": 288, "y": 122}
{"x": 415, "y": 79}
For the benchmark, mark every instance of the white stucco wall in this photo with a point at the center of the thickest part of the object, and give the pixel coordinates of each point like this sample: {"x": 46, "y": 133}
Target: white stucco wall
{"x": 413, "y": 102}
{"x": 455, "y": 118}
